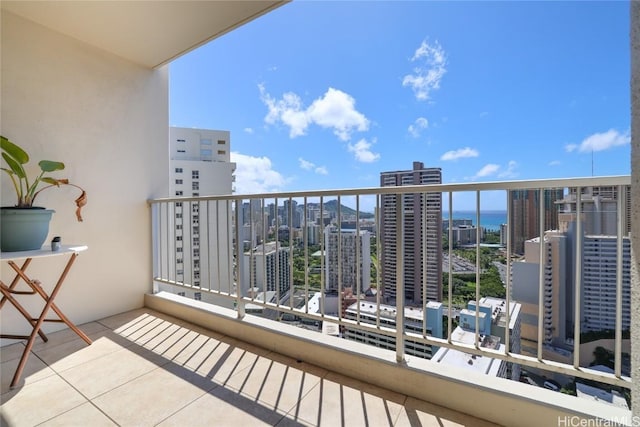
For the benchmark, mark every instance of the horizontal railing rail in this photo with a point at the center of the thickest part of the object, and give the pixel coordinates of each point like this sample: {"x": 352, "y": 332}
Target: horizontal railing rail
{"x": 319, "y": 257}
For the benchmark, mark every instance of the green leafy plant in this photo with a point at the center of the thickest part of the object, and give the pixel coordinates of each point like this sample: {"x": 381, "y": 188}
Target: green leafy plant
{"x": 27, "y": 190}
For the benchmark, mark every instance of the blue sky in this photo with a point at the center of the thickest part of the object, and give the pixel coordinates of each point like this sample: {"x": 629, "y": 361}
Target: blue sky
{"x": 324, "y": 94}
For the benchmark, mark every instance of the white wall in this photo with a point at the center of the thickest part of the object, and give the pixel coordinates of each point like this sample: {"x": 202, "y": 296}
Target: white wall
{"x": 107, "y": 119}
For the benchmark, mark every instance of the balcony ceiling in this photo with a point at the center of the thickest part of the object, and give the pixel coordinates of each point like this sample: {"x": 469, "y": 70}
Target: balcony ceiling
{"x": 149, "y": 33}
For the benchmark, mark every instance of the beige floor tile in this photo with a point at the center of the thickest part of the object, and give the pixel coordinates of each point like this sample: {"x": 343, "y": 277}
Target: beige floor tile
{"x": 158, "y": 394}
{"x": 105, "y": 373}
{"x": 274, "y": 381}
{"x": 73, "y": 353}
{"x": 338, "y": 400}
{"x": 81, "y": 416}
{"x": 223, "y": 408}
{"x": 67, "y": 335}
{"x": 217, "y": 359}
{"x": 126, "y": 319}
{"x": 12, "y": 351}
{"x": 34, "y": 370}
{"x": 40, "y": 401}
{"x": 419, "y": 412}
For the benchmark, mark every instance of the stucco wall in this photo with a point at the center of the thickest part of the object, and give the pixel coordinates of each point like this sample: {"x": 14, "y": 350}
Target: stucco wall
{"x": 107, "y": 119}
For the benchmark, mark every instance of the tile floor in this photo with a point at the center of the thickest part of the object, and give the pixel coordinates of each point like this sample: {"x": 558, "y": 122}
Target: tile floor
{"x": 147, "y": 369}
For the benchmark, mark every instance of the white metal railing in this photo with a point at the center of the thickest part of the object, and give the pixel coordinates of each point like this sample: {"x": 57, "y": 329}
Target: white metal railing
{"x": 254, "y": 252}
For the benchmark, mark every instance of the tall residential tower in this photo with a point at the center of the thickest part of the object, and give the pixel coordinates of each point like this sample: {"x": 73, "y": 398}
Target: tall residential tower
{"x": 420, "y": 215}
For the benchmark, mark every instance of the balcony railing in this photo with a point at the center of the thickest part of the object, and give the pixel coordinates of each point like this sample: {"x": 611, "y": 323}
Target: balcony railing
{"x": 258, "y": 253}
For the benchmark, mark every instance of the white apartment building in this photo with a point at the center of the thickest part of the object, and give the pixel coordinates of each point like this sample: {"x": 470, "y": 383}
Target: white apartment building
{"x": 200, "y": 165}
{"x": 599, "y": 281}
{"x": 347, "y": 259}
{"x": 368, "y": 312}
{"x": 421, "y": 218}
{"x": 558, "y": 307}
{"x": 266, "y": 267}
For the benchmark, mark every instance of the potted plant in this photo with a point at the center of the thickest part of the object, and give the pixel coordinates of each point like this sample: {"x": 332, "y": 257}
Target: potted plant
{"x": 25, "y": 226}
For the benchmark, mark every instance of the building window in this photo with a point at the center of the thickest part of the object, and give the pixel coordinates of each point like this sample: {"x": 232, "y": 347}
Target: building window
{"x": 178, "y": 193}
{"x": 178, "y": 215}
{"x": 179, "y": 227}
{"x": 196, "y": 283}
{"x": 178, "y": 181}
{"x": 195, "y": 174}
{"x": 205, "y": 141}
{"x": 182, "y": 151}
{"x": 195, "y": 194}
{"x": 205, "y": 152}
{"x": 196, "y": 230}
{"x": 195, "y": 221}
{"x": 178, "y": 238}
{"x": 195, "y": 185}
{"x": 179, "y": 250}
{"x": 179, "y": 261}
{"x": 198, "y": 296}
{"x": 181, "y": 294}
{"x": 221, "y": 142}
{"x": 180, "y": 140}
{"x": 221, "y": 152}
{"x": 196, "y": 252}
{"x": 196, "y": 274}
{"x": 178, "y": 204}
{"x": 178, "y": 170}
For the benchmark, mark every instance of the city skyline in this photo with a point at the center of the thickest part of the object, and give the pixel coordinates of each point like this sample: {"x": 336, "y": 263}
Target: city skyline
{"x": 308, "y": 112}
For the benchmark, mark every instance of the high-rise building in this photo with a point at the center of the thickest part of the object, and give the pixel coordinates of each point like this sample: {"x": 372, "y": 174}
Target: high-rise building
{"x": 347, "y": 259}
{"x": 420, "y": 215}
{"x": 557, "y": 295}
{"x": 200, "y": 165}
{"x": 369, "y": 312}
{"x": 599, "y": 207}
{"x": 599, "y": 281}
{"x": 267, "y": 267}
{"x": 525, "y": 215}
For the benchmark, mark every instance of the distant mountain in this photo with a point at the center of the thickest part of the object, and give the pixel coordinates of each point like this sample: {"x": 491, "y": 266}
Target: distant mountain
{"x": 332, "y": 206}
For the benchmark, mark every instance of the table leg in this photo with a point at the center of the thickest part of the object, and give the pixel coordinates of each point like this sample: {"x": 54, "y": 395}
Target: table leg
{"x": 49, "y": 303}
{"x": 6, "y": 295}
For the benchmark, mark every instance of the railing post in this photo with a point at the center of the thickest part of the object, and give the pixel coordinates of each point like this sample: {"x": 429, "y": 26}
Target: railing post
{"x": 239, "y": 270}
{"x": 399, "y": 279}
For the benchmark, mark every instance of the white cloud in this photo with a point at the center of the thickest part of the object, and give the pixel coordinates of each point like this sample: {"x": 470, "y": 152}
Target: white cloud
{"x": 307, "y": 165}
{"x": 460, "y": 153}
{"x": 569, "y": 148}
{"x": 256, "y": 175}
{"x": 417, "y": 126}
{"x": 510, "y": 172}
{"x": 304, "y": 164}
{"x": 603, "y": 141}
{"x": 428, "y": 72}
{"x": 362, "y": 151}
{"x": 487, "y": 170}
{"x": 321, "y": 170}
{"x": 334, "y": 110}
{"x": 554, "y": 163}
{"x": 248, "y": 130}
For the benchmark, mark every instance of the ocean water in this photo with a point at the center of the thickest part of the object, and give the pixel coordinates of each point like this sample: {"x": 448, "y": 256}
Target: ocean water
{"x": 491, "y": 220}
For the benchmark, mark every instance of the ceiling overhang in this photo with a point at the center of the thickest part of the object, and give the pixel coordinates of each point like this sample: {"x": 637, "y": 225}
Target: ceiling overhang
{"x": 149, "y": 33}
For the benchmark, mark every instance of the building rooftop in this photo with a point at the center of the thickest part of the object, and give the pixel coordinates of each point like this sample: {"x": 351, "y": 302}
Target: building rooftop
{"x": 481, "y": 364}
